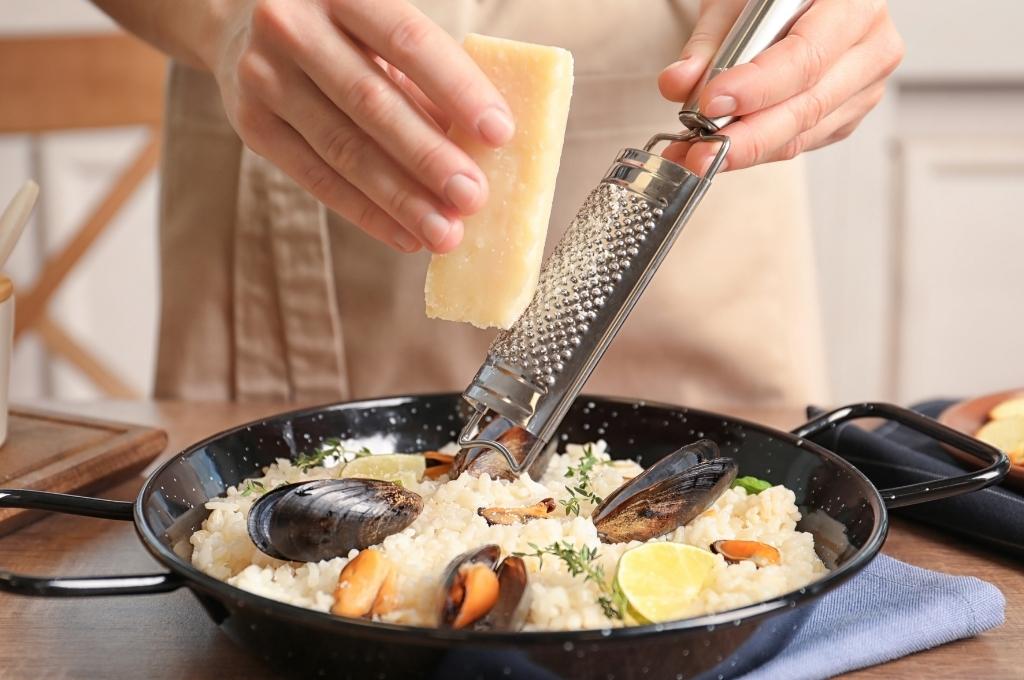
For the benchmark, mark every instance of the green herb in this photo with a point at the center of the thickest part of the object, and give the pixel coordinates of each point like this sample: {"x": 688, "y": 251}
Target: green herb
{"x": 614, "y": 605}
{"x": 331, "y": 448}
{"x": 580, "y": 562}
{"x": 582, "y": 487}
{"x": 252, "y": 486}
{"x": 753, "y": 485}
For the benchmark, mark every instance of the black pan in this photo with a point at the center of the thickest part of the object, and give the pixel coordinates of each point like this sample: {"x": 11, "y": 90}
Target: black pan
{"x": 841, "y": 507}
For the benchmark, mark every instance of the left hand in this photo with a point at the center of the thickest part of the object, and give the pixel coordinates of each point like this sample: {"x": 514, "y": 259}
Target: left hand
{"x": 810, "y": 89}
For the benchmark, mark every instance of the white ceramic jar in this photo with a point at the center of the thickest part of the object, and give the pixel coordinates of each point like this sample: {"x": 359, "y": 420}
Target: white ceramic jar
{"x": 6, "y": 344}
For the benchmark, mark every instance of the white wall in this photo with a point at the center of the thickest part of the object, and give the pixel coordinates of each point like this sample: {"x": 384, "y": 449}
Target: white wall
{"x": 919, "y": 219}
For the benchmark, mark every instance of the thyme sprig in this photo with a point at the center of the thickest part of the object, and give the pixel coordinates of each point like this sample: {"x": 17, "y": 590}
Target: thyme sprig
{"x": 252, "y": 486}
{"x": 582, "y": 489}
{"x": 581, "y": 562}
{"x": 330, "y": 448}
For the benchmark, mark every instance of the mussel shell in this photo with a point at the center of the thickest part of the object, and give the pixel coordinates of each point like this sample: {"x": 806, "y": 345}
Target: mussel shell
{"x": 650, "y": 506}
{"x": 699, "y": 451}
{"x": 326, "y": 518}
{"x": 483, "y": 461}
{"x": 510, "y": 611}
{"x": 487, "y": 555}
{"x": 673, "y": 464}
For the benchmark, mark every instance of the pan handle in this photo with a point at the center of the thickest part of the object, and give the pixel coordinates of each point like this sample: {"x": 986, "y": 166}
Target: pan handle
{"x": 79, "y": 586}
{"x": 997, "y": 464}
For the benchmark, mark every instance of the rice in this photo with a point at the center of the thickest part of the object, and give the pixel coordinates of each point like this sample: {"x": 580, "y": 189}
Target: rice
{"x": 449, "y": 526}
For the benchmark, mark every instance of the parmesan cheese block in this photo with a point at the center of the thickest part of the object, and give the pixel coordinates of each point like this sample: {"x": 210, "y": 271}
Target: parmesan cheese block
{"x": 491, "y": 277}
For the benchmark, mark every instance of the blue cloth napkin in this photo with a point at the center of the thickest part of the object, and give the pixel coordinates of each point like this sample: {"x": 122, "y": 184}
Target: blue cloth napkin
{"x": 889, "y": 610}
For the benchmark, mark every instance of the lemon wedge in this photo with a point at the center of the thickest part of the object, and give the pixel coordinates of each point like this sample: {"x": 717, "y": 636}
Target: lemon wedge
{"x": 660, "y": 581}
{"x": 1011, "y": 408}
{"x": 1007, "y": 435}
{"x": 402, "y": 468}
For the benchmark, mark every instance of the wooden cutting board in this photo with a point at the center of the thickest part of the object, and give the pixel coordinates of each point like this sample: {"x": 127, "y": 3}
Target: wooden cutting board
{"x": 69, "y": 454}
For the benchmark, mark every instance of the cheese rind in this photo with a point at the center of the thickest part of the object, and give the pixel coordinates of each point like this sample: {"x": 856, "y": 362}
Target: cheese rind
{"x": 490, "y": 278}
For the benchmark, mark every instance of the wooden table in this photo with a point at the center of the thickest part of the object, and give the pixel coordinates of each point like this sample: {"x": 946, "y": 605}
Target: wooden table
{"x": 169, "y": 636}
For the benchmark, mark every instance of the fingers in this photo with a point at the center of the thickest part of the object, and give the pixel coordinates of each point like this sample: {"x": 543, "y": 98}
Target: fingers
{"x": 413, "y": 90}
{"x": 713, "y": 24}
{"x": 272, "y": 138}
{"x": 760, "y": 136}
{"x": 354, "y": 155}
{"x": 356, "y": 86}
{"x": 837, "y": 126}
{"x": 794, "y": 64}
{"x": 405, "y": 37}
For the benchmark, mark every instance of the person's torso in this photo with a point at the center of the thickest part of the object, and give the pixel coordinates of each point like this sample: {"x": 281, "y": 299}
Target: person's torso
{"x": 699, "y": 331}
{"x": 255, "y": 307}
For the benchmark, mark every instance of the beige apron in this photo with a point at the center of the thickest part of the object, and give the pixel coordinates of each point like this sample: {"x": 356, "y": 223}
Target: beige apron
{"x": 266, "y": 296}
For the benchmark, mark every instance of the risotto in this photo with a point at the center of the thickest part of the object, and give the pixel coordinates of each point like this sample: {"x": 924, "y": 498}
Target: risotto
{"x": 450, "y": 524}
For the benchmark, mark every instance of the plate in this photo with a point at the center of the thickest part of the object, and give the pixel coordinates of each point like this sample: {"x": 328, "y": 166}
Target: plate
{"x": 968, "y": 416}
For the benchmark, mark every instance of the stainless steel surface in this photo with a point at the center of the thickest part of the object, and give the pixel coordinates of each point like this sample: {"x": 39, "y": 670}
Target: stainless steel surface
{"x": 593, "y": 279}
{"x": 761, "y": 24}
{"x": 587, "y": 288}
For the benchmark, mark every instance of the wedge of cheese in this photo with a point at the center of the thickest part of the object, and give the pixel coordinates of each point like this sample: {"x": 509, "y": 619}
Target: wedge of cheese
{"x": 491, "y": 277}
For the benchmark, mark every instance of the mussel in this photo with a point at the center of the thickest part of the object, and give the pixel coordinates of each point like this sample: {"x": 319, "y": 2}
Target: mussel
{"x": 482, "y": 461}
{"x": 366, "y": 586}
{"x": 326, "y": 518}
{"x": 666, "y": 495}
{"x": 479, "y": 592}
{"x": 735, "y": 551}
{"x": 539, "y": 510}
{"x": 513, "y": 605}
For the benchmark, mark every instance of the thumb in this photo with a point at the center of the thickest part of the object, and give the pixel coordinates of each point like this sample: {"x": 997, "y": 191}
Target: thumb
{"x": 713, "y": 23}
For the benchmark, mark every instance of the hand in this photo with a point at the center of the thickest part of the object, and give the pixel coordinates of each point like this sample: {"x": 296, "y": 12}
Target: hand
{"x": 351, "y": 98}
{"x": 810, "y": 89}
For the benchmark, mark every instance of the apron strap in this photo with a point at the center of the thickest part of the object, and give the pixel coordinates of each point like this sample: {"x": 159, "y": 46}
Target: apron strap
{"x": 287, "y": 332}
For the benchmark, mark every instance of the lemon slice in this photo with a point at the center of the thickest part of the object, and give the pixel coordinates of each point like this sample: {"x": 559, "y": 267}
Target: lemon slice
{"x": 1006, "y": 434}
{"x": 661, "y": 580}
{"x": 403, "y": 468}
{"x": 1011, "y": 408}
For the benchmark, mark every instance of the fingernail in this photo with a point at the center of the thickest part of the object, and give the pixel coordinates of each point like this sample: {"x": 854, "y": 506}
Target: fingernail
{"x": 463, "y": 192}
{"x": 435, "y": 229}
{"x": 496, "y": 126}
{"x": 406, "y": 242}
{"x": 722, "y": 105}
{"x": 677, "y": 64}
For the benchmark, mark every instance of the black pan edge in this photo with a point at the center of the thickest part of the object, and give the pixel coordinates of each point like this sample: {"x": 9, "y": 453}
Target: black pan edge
{"x": 199, "y": 581}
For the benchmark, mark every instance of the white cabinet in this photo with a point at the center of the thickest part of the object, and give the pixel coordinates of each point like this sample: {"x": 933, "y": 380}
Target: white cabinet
{"x": 919, "y": 216}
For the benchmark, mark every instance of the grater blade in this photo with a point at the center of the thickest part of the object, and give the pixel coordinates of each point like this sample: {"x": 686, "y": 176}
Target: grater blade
{"x": 587, "y": 288}
{"x": 596, "y": 274}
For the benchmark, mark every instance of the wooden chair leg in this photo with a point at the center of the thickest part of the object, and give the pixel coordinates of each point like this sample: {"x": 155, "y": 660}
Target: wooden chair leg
{"x": 32, "y": 305}
{"x": 60, "y": 343}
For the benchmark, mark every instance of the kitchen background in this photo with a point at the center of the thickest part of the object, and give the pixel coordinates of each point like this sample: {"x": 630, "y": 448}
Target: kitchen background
{"x": 919, "y": 222}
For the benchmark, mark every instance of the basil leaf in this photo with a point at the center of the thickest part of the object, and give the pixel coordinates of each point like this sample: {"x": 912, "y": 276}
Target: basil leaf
{"x": 753, "y": 485}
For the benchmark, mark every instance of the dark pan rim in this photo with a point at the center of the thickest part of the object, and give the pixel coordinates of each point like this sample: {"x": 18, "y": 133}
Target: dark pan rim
{"x": 197, "y": 580}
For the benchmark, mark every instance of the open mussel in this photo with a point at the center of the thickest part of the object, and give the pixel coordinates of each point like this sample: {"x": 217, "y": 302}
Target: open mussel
{"x": 513, "y": 604}
{"x": 484, "y": 461}
{"x": 326, "y": 518}
{"x": 666, "y": 495}
{"x": 366, "y": 586}
{"x": 736, "y": 551}
{"x": 479, "y": 592}
{"x": 539, "y": 510}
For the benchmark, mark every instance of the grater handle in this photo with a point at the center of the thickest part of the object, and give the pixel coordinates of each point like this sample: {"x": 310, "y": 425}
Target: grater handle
{"x": 761, "y": 24}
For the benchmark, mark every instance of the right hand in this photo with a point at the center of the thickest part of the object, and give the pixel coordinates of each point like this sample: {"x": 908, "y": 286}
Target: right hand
{"x": 351, "y": 98}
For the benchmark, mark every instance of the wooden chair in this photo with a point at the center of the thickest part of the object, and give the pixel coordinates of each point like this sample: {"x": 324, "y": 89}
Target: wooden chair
{"x": 74, "y": 83}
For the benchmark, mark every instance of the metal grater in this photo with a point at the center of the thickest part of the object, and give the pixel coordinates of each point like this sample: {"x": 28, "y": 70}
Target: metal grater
{"x": 599, "y": 269}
